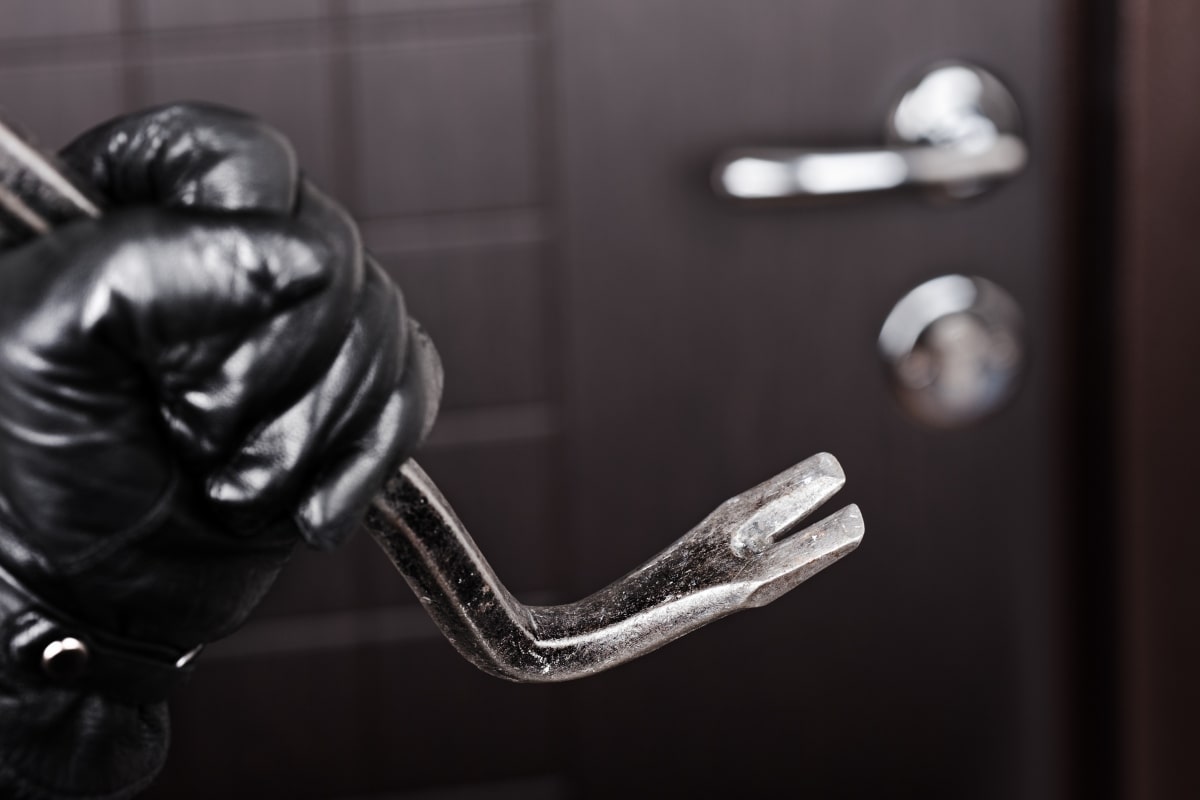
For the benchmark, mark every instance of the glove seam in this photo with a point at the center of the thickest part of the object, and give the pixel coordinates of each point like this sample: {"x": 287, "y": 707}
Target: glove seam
{"x": 116, "y": 659}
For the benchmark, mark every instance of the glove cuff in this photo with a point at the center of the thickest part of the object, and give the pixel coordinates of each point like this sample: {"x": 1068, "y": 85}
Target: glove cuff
{"x": 48, "y": 648}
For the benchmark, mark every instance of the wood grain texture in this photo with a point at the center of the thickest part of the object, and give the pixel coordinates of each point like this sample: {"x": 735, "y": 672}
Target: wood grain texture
{"x": 56, "y": 19}
{"x": 364, "y": 722}
{"x": 712, "y": 345}
{"x": 60, "y": 102}
{"x": 486, "y": 308}
{"x": 1159, "y": 379}
{"x": 163, "y": 14}
{"x": 419, "y": 112}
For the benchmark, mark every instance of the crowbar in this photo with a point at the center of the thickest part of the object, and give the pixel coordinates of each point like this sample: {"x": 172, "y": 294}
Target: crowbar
{"x": 745, "y": 554}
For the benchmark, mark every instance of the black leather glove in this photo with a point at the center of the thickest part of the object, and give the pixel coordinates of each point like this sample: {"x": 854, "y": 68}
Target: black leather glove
{"x": 188, "y": 386}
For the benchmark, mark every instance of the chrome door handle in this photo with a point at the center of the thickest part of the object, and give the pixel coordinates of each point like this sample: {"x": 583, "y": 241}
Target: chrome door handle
{"x": 955, "y": 133}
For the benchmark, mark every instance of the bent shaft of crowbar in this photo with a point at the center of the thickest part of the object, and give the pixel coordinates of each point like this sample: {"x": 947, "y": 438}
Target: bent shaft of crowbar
{"x": 743, "y": 555}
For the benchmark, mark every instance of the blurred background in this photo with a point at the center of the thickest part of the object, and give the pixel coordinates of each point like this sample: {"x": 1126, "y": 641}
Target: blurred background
{"x": 625, "y": 349}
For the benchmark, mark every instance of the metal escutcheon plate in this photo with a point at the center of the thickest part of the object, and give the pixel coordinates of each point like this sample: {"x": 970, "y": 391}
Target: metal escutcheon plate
{"x": 955, "y": 350}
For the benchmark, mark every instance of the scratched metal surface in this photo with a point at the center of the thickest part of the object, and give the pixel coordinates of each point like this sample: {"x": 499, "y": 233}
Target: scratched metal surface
{"x": 745, "y": 554}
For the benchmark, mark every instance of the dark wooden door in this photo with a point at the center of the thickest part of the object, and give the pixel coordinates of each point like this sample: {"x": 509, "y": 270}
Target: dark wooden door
{"x": 712, "y": 345}
{"x": 624, "y": 351}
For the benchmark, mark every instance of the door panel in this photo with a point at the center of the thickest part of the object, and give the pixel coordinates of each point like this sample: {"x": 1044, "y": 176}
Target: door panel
{"x": 624, "y": 351}
{"x": 713, "y": 344}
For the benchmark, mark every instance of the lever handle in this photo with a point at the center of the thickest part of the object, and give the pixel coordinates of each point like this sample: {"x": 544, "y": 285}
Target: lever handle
{"x": 955, "y": 134}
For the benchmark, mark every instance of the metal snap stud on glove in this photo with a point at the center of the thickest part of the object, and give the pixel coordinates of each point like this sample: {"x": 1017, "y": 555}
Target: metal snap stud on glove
{"x": 66, "y": 659}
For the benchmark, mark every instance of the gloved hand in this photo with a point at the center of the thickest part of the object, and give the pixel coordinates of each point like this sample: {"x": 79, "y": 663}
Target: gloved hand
{"x": 188, "y": 386}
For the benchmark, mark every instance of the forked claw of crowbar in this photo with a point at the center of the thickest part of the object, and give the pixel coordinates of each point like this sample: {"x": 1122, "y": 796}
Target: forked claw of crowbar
{"x": 744, "y": 554}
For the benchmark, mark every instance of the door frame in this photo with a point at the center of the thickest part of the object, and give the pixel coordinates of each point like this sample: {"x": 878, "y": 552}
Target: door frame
{"x": 1157, "y": 382}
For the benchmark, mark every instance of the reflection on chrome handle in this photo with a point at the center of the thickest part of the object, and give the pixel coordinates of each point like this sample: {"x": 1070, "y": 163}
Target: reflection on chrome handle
{"x": 757, "y": 173}
{"x": 955, "y": 133}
